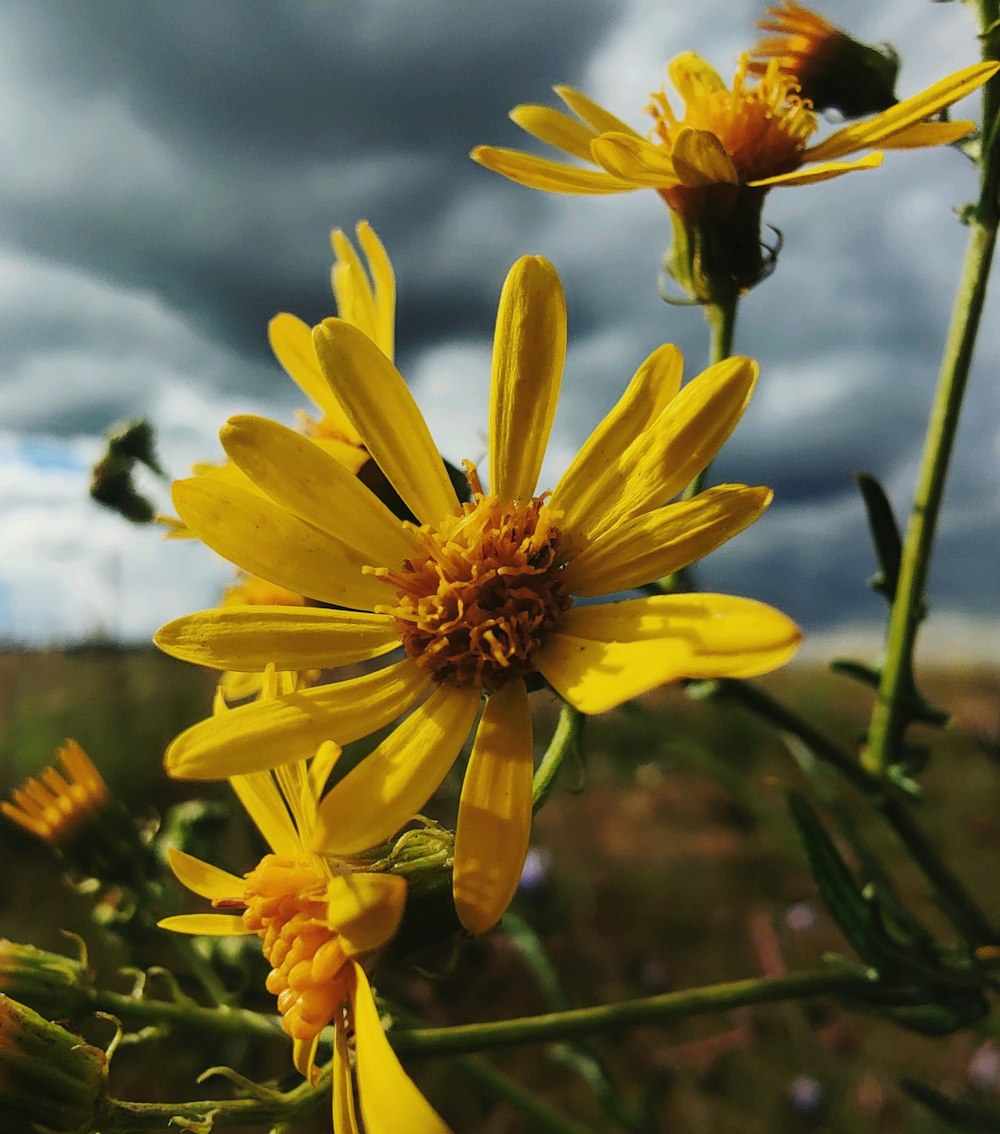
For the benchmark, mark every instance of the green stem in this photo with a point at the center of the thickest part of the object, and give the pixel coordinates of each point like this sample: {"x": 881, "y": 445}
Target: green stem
{"x": 117, "y": 1115}
{"x": 221, "y": 1020}
{"x": 722, "y": 325}
{"x": 884, "y": 797}
{"x": 565, "y": 739}
{"x": 889, "y": 716}
{"x": 557, "y": 1026}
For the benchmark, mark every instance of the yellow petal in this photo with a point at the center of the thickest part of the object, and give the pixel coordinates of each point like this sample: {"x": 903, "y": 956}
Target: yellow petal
{"x": 294, "y": 638}
{"x": 365, "y": 909}
{"x": 352, "y": 289}
{"x": 686, "y": 435}
{"x": 660, "y": 542}
{"x": 390, "y": 1103}
{"x": 255, "y": 737}
{"x": 345, "y": 1120}
{"x": 291, "y": 341}
{"x": 202, "y": 878}
{"x": 384, "y": 281}
{"x": 556, "y": 128}
{"x": 700, "y": 159}
{"x": 633, "y": 160}
{"x": 694, "y": 78}
{"x": 545, "y": 174}
{"x": 929, "y": 134}
{"x": 375, "y": 397}
{"x": 393, "y": 782}
{"x": 302, "y": 479}
{"x": 234, "y": 686}
{"x": 586, "y": 480}
{"x": 606, "y": 654}
{"x": 603, "y": 121}
{"x": 811, "y": 174}
{"x": 208, "y": 924}
{"x": 263, "y": 802}
{"x": 494, "y": 814}
{"x": 304, "y": 1058}
{"x": 876, "y": 131}
{"x": 352, "y": 457}
{"x": 255, "y": 534}
{"x": 529, "y": 349}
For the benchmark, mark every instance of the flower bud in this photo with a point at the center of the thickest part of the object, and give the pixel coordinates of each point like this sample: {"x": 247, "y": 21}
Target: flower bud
{"x": 47, "y": 982}
{"x": 833, "y": 70}
{"x": 48, "y": 1075}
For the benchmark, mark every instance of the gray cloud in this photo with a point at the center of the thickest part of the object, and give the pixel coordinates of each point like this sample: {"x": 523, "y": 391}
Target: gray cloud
{"x": 173, "y": 171}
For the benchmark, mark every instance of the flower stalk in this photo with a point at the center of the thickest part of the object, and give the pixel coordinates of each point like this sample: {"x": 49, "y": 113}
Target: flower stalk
{"x": 889, "y": 718}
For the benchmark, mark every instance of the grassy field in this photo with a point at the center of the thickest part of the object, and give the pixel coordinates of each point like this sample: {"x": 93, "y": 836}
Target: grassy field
{"x": 677, "y": 865}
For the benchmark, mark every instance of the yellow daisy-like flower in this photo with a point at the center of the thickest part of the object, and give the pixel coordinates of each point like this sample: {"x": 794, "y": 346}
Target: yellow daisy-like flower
{"x": 56, "y": 807}
{"x": 316, "y": 919}
{"x": 480, "y": 594}
{"x": 365, "y": 295}
{"x": 830, "y": 67}
{"x": 714, "y": 162}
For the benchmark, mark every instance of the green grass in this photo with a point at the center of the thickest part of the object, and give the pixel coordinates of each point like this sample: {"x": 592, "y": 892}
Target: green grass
{"x": 675, "y": 865}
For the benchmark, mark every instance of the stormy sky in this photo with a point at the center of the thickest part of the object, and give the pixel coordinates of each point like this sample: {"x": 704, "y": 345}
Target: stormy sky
{"x": 171, "y": 173}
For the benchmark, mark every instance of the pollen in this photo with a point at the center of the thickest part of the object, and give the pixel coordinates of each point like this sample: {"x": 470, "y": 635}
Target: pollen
{"x": 475, "y": 606}
{"x": 764, "y": 128}
{"x": 286, "y": 908}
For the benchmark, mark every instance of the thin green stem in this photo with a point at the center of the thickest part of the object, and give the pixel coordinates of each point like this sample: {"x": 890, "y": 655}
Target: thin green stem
{"x": 557, "y": 1026}
{"x": 884, "y": 798}
{"x": 889, "y": 716}
{"x": 118, "y": 1115}
{"x": 722, "y": 325}
{"x": 222, "y": 1020}
{"x": 565, "y": 739}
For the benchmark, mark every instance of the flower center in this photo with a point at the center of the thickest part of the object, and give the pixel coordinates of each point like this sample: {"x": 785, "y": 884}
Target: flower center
{"x": 286, "y": 908}
{"x": 474, "y": 607}
{"x": 764, "y": 128}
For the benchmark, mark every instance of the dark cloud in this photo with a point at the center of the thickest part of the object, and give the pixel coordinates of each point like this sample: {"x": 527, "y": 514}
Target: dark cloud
{"x": 231, "y": 136}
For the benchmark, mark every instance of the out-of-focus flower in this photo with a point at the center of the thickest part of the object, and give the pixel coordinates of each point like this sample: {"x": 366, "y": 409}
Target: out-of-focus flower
{"x": 75, "y": 814}
{"x": 714, "y": 163}
{"x": 365, "y": 296}
{"x": 832, "y": 70}
{"x": 316, "y": 918}
{"x": 48, "y": 1076}
{"x": 55, "y": 807}
{"x": 479, "y": 594}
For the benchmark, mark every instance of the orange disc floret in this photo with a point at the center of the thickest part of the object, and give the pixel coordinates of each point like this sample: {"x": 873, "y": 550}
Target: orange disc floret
{"x": 474, "y": 608}
{"x": 286, "y": 908}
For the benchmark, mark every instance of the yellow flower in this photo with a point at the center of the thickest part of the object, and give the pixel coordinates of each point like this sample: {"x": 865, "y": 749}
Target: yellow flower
{"x": 480, "y": 593}
{"x": 714, "y": 163}
{"x": 56, "y": 807}
{"x": 316, "y": 919}
{"x": 365, "y": 295}
{"x": 832, "y": 69}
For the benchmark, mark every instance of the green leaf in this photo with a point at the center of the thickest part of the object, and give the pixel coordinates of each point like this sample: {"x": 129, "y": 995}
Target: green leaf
{"x": 884, "y": 532}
